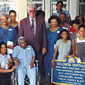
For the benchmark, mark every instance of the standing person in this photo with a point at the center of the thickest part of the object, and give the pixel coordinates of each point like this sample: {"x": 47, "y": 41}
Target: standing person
{"x": 80, "y": 19}
{"x": 59, "y": 10}
{"x": 13, "y": 22}
{"x": 79, "y": 42}
{"x": 7, "y": 33}
{"x": 74, "y": 29}
{"x": 52, "y": 34}
{"x": 62, "y": 46}
{"x": 65, "y": 25}
{"x": 5, "y": 60}
{"x": 24, "y": 57}
{"x": 34, "y": 30}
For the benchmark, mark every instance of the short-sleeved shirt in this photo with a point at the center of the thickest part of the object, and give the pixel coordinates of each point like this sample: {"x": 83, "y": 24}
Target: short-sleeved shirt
{"x": 23, "y": 55}
{"x": 73, "y": 36}
{"x": 63, "y": 48}
{"x": 63, "y": 11}
{"x": 80, "y": 49}
{"x": 55, "y": 13}
{"x": 4, "y": 60}
{"x": 8, "y": 35}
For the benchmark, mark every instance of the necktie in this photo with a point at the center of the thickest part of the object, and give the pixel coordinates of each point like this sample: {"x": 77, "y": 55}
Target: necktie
{"x": 32, "y": 27}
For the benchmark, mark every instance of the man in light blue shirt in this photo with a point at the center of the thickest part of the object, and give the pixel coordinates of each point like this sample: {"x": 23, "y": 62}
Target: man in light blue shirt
{"x": 26, "y": 56}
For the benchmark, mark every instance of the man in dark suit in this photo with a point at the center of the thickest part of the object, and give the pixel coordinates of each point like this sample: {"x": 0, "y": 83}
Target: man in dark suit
{"x": 34, "y": 31}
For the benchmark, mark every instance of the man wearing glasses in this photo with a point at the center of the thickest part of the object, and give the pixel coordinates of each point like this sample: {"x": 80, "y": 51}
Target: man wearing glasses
{"x": 34, "y": 30}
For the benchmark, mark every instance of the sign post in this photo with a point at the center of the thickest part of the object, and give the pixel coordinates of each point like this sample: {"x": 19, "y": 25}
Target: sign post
{"x": 68, "y": 72}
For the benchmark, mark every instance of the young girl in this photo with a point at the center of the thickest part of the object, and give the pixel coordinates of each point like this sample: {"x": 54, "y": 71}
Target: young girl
{"x": 62, "y": 46}
{"x": 79, "y": 43}
{"x": 5, "y": 76}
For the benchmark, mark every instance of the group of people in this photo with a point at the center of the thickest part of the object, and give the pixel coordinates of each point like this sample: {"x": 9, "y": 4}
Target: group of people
{"x": 21, "y": 46}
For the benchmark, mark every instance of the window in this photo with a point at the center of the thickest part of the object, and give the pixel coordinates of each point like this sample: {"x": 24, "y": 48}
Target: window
{"x": 39, "y": 3}
{"x": 5, "y": 0}
{"x": 81, "y": 7}
{"x": 5, "y": 6}
{"x": 54, "y": 5}
{"x": 81, "y": 0}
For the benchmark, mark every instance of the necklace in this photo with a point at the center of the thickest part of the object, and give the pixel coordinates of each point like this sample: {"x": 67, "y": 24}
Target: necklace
{"x": 53, "y": 29}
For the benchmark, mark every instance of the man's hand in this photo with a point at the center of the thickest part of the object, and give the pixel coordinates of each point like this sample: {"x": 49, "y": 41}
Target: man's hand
{"x": 44, "y": 51}
{"x": 32, "y": 64}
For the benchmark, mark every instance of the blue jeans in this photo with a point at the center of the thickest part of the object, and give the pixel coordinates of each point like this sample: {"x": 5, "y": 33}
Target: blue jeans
{"x": 31, "y": 73}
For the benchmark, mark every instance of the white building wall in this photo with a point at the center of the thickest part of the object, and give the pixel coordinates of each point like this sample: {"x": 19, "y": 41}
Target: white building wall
{"x": 74, "y": 8}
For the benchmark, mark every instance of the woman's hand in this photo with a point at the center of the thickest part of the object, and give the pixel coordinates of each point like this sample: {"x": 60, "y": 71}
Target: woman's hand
{"x": 53, "y": 63}
{"x": 73, "y": 56}
{"x": 12, "y": 69}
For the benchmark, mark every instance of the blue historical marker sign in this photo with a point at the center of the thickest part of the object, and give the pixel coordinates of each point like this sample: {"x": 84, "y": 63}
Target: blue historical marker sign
{"x": 68, "y": 72}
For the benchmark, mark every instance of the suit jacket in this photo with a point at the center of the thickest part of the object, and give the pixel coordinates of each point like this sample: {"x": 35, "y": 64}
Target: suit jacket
{"x": 40, "y": 41}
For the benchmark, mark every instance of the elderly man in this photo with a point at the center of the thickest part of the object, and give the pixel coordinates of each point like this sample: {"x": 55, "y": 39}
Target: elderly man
{"x": 26, "y": 56}
{"x": 34, "y": 30}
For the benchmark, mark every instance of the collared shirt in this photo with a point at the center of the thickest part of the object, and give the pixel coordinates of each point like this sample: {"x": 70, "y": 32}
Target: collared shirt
{"x": 23, "y": 55}
{"x": 8, "y": 35}
{"x": 4, "y": 60}
{"x": 63, "y": 11}
{"x": 34, "y": 23}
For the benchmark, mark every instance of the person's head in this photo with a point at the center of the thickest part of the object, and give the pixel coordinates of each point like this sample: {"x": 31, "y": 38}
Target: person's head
{"x": 75, "y": 24}
{"x": 64, "y": 34}
{"x": 54, "y": 21}
{"x": 62, "y": 17}
{"x": 3, "y": 48}
{"x": 80, "y": 19}
{"x": 40, "y": 13}
{"x": 4, "y": 19}
{"x": 22, "y": 42}
{"x": 82, "y": 30}
{"x": 32, "y": 10}
{"x": 12, "y": 15}
{"x": 59, "y": 5}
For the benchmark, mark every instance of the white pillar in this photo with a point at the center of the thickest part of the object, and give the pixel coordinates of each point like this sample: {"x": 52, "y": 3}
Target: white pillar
{"x": 74, "y": 8}
{"x": 47, "y": 9}
{"x": 22, "y": 11}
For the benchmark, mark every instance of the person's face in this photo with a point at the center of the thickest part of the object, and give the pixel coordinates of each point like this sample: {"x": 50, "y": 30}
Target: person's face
{"x": 59, "y": 6}
{"x": 75, "y": 26}
{"x": 62, "y": 17}
{"x": 80, "y": 20}
{"x": 31, "y": 11}
{"x": 82, "y": 31}
{"x": 12, "y": 16}
{"x": 3, "y": 49}
{"x": 4, "y": 20}
{"x": 64, "y": 35}
{"x": 22, "y": 43}
{"x": 53, "y": 23}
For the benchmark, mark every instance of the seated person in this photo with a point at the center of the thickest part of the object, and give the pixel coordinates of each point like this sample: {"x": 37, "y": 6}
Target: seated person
{"x": 5, "y": 60}
{"x": 24, "y": 57}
